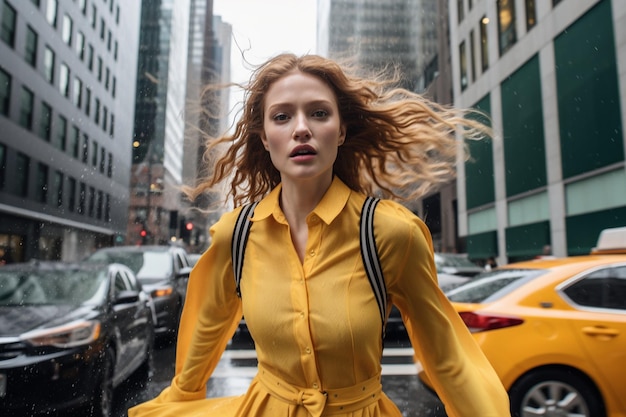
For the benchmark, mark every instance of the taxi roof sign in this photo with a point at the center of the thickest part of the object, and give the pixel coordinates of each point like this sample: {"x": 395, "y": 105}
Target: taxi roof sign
{"x": 611, "y": 240}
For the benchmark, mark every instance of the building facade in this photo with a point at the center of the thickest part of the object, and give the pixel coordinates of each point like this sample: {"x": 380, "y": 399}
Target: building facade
{"x": 208, "y": 62}
{"x": 67, "y": 82}
{"x": 376, "y": 35}
{"x": 552, "y": 77}
{"x": 157, "y": 148}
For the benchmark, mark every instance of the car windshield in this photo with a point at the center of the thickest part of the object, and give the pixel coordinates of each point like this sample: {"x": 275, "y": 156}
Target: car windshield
{"x": 52, "y": 287}
{"x": 453, "y": 260}
{"x": 148, "y": 266}
{"x": 490, "y": 286}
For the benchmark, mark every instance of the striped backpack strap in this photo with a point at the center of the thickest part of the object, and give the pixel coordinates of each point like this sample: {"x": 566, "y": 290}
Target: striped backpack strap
{"x": 369, "y": 253}
{"x": 240, "y": 239}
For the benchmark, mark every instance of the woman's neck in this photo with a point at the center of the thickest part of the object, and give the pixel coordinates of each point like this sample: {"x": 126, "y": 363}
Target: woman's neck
{"x": 298, "y": 199}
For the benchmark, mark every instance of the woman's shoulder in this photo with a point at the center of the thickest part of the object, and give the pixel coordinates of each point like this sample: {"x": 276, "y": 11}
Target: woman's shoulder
{"x": 223, "y": 229}
{"x": 394, "y": 222}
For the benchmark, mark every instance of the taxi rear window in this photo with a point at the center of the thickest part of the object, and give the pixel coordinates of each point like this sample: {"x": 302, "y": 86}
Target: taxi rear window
{"x": 490, "y": 286}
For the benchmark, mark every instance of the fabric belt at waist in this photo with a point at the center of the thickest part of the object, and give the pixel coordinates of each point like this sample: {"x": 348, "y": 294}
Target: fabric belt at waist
{"x": 316, "y": 402}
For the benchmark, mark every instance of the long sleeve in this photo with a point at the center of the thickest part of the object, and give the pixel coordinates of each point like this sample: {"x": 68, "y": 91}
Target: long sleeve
{"x": 210, "y": 316}
{"x": 459, "y": 371}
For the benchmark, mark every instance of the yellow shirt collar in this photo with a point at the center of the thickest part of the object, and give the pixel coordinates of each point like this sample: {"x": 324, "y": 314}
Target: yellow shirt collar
{"x": 328, "y": 208}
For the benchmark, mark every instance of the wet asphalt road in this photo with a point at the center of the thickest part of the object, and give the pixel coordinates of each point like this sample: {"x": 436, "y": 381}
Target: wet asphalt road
{"x": 237, "y": 366}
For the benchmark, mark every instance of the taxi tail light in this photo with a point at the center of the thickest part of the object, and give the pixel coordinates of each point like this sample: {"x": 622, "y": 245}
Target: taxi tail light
{"x": 482, "y": 322}
{"x": 162, "y": 292}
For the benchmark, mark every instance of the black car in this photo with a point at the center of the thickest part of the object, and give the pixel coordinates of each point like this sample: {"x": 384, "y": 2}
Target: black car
{"x": 70, "y": 334}
{"x": 163, "y": 272}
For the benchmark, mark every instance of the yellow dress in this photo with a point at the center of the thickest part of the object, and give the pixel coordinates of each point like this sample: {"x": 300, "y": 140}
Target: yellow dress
{"x": 316, "y": 323}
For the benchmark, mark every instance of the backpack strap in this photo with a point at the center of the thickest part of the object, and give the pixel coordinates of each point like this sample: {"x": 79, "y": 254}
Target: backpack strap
{"x": 369, "y": 253}
{"x": 240, "y": 239}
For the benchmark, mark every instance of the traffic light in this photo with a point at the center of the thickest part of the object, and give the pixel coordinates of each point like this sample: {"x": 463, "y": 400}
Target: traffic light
{"x": 185, "y": 230}
{"x": 144, "y": 236}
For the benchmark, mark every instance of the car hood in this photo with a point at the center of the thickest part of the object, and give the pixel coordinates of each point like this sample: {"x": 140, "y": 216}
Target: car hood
{"x": 18, "y": 320}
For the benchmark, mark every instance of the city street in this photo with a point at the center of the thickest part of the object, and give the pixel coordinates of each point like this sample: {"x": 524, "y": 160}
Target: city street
{"x": 238, "y": 366}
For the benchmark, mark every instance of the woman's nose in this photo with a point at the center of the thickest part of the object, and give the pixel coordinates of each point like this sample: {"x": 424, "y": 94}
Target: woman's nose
{"x": 301, "y": 128}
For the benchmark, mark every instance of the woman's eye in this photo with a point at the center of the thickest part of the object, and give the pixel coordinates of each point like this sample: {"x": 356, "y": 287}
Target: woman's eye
{"x": 320, "y": 113}
{"x": 280, "y": 117}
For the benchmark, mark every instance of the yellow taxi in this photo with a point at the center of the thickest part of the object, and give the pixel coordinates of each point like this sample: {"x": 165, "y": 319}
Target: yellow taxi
{"x": 554, "y": 329}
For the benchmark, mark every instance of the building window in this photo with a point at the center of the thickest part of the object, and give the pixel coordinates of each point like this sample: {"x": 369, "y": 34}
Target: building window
{"x": 99, "y": 69}
{"x": 107, "y": 208}
{"x": 22, "y": 167}
{"x": 463, "y": 65}
{"x": 109, "y": 40}
{"x": 99, "y": 205}
{"x": 30, "y": 50}
{"x": 78, "y": 92}
{"x": 60, "y": 138}
{"x": 94, "y": 16}
{"x": 117, "y": 15}
{"x": 484, "y": 45}
{"x": 35, "y": 2}
{"x": 80, "y": 45}
{"x": 112, "y": 126}
{"x": 115, "y": 50}
{"x": 74, "y": 145}
{"x": 105, "y": 118}
{"x": 506, "y": 25}
{"x": 51, "y": 12}
{"x": 92, "y": 197}
{"x": 87, "y": 101}
{"x": 103, "y": 159}
{"x": 472, "y": 57}
{"x": 85, "y": 149}
{"x": 107, "y": 78}
{"x": 9, "y": 17}
{"x": 94, "y": 154}
{"x": 45, "y": 123}
{"x": 42, "y": 183}
{"x": 90, "y": 55}
{"x": 82, "y": 5}
{"x": 64, "y": 79}
{"x": 82, "y": 195}
{"x": 5, "y": 92}
{"x": 57, "y": 191}
{"x": 66, "y": 33}
{"x": 460, "y": 10}
{"x": 48, "y": 65}
{"x": 3, "y": 164}
{"x": 96, "y": 116}
{"x": 102, "y": 28}
{"x": 71, "y": 193}
{"x": 110, "y": 165}
{"x": 26, "y": 108}
{"x": 531, "y": 14}
{"x": 113, "y": 86}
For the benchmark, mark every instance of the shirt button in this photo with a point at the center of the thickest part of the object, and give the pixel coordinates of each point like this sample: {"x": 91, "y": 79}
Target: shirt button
{"x": 302, "y": 315}
{"x": 315, "y": 385}
{"x": 312, "y": 253}
{"x": 307, "y": 350}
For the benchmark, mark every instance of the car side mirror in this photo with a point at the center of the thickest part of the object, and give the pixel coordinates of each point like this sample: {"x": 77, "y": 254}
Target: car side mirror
{"x": 127, "y": 297}
{"x": 184, "y": 272}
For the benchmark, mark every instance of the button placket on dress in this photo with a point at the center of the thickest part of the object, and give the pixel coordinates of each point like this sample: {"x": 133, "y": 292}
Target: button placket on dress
{"x": 300, "y": 300}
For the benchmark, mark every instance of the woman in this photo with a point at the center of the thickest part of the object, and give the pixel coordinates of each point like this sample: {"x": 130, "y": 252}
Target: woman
{"x": 313, "y": 141}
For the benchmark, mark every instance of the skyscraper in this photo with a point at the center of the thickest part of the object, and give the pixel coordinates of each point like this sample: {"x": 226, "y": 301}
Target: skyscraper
{"x": 67, "y": 81}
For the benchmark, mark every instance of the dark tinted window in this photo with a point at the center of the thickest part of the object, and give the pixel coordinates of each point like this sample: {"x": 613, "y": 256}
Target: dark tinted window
{"x": 490, "y": 286}
{"x": 605, "y": 288}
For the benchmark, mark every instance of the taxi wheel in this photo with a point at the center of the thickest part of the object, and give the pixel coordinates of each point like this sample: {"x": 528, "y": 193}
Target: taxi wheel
{"x": 549, "y": 392}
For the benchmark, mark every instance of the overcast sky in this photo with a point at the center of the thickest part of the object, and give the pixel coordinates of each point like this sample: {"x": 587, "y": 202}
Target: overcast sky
{"x": 264, "y": 28}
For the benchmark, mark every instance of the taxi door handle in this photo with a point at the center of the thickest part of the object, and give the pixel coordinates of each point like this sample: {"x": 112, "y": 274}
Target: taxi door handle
{"x": 600, "y": 331}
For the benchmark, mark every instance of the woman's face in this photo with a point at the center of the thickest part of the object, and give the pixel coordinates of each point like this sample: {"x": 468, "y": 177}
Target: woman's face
{"x": 302, "y": 127}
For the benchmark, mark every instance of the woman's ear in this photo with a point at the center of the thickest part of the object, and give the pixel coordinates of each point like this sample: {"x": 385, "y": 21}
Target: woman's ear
{"x": 264, "y": 141}
{"x": 342, "y": 134}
